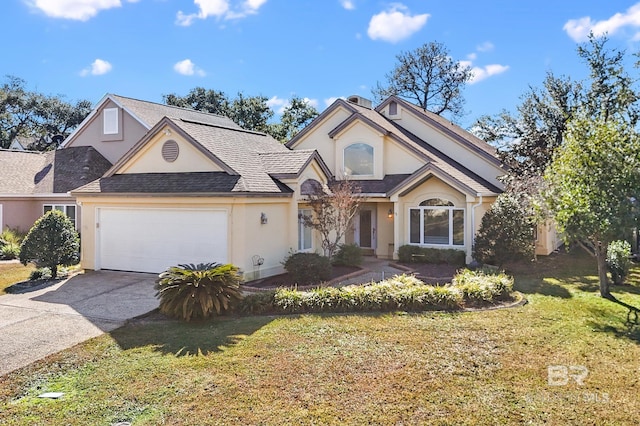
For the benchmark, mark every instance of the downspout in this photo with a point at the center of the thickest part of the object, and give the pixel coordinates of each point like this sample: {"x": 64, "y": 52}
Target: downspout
{"x": 473, "y": 220}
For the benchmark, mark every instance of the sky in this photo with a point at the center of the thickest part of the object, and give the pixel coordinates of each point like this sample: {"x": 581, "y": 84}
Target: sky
{"x": 315, "y": 49}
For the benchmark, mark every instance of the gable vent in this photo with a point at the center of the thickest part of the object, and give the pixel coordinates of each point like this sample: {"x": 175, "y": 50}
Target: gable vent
{"x": 170, "y": 151}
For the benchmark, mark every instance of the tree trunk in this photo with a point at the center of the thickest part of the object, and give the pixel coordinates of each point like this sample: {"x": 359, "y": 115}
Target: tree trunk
{"x": 54, "y": 271}
{"x": 601, "y": 257}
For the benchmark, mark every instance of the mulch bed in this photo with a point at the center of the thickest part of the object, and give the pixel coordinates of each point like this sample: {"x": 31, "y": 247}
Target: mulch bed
{"x": 432, "y": 273}
{"x": 284, "y": 280}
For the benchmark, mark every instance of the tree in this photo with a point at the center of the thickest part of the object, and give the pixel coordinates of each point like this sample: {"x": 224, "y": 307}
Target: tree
{"x": 333, "y": 212}
{"x": 294, "y": 118}
{"x": 46, "y": 120}
{"x": 594, "y": 185}
{"x": 429, "y": 77}
{"x": 51, "y": 241}
{"x": 249, "y": 112}
{"x": 505, "y": 234}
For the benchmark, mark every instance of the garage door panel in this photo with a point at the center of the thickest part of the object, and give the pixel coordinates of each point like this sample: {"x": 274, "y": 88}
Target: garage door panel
{"x": 150, "y": 240}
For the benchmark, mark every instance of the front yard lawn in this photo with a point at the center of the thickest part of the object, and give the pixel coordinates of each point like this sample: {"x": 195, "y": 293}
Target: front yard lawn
{"x": 487, "y": 367}
{"x": 13, "y": 272}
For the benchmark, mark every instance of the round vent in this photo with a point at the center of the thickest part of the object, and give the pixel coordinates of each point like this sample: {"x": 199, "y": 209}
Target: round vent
{"x": 170, "y": 151}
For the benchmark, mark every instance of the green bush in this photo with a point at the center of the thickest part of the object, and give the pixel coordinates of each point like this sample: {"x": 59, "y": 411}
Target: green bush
{"x": 483, "y": 285}
{"x": 40, "y": 274}
{"x": 348, "y": 255}
{"x": 416, "y": 254}
{"x": 52, "y": 241}
{"x": 256, "y": 303}
{"x": 619, "y": 261}
{"x": 9, "y": 250}
{"x": 197, "y": 291}
{"x": 505, "y": 234}
{"x": 308, "y": 268}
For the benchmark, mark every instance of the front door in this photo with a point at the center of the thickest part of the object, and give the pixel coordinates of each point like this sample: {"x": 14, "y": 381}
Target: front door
{"x": 365, "y": 232}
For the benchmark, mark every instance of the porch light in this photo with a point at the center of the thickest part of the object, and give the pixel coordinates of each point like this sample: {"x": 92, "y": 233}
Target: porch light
{"x": 263, "y": 218}
{"x": 390, "y": 214}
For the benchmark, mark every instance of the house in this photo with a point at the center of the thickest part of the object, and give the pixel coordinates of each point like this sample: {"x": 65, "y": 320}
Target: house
{"x": 32, "y": 183}
{"x": 182, "y": 186}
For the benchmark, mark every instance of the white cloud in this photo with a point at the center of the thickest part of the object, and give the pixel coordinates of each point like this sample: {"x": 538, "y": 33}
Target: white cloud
{"x": 481, "y": 73}
{"x": 80, "y": 10}
{"x": 278, "y": 104}
{"x": 97, "y": 67}
{"x": 395, "y": 24}
{"x": 186, "y": 67}
{"x": 348, "y": 4}
{"x": 487, "y": 46}
{"x": 579, "y": 29}
{"x": 221, "y": 9}
{"x": 329, "y": 101}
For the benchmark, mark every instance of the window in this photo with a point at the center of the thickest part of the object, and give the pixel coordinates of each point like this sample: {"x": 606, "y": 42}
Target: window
{"x": 358, "y": 159}
{"x": 304, "y": 232}
{"x": 437, "y": 222}
{"x": 68, "y": 209}
{"x": 110, "y": 125}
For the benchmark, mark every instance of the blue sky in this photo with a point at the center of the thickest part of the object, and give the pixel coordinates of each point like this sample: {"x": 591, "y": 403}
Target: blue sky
{"x": 316, "y": 49}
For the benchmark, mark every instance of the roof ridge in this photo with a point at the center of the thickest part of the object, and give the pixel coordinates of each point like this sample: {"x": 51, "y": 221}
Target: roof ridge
{"x": 220, "y": 126}
{"x": 23, "y": 151}
{"x": 168, "y": 106}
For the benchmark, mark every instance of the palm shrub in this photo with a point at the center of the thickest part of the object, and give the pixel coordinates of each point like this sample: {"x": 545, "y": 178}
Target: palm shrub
{"x": 198, "y": 291}
{"x": 51, "y": 241}
{"x": 618, "y": 260}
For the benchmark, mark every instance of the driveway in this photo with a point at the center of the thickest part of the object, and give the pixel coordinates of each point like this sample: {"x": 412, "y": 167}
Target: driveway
{"x": 42, "y": 322}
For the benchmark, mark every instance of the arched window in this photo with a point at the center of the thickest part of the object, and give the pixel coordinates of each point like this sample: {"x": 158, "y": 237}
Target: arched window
{"x": 436, "y": 221}
{"x": 358, "y": 159}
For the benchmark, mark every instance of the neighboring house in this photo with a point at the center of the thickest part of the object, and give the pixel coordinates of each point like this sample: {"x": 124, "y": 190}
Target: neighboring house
{"x": 190, "y": 187}
{"x": 32, "y": 183}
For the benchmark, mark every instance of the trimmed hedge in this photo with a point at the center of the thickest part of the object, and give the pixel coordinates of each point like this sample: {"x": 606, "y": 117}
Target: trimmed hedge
{"x": 348, "y": 255}
{"x": 399, "y": 293}
{"x": 416, "y": 254}
{"x": 308, "y": 268}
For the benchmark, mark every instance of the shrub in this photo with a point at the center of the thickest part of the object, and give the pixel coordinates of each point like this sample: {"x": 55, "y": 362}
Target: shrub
{"x": 483, "y": 285}
{"x": 308, "y": 268}
{"x": 40, "y": 274}
{"x": 256, "y": 303}
{"x": 52, "y": 241}
{"x": 505, "y": 234}
{"x": 10, "y": 235}
{"x": 9, "y": 251}
{"x": 348, "y": 255}
{"x": 197, "y": 291}
{"x": 618, "y": 260}
{"x": 416, "y": 254}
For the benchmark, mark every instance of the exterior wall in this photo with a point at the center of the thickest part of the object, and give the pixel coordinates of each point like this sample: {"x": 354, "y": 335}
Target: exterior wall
{"x": 386, "y": 246}
{"x": 149, "y": 158}
{"x": 21, "y": 213}
{"x": 319, "y": 140}
{"x": 547, "y": 240}
{"x": 443, "y": 143}
{"x": 112, "y": 147}
{"x": 399, "y": 160}
{"x": 247, "y": 236}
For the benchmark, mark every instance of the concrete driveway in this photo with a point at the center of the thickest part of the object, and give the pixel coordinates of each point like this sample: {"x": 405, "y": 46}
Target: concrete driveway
{"x": 42, "y": 322}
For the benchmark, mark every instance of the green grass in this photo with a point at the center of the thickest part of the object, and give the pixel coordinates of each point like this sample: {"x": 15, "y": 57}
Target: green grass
{"x": 487, "y": 367}
{"x": 11, "y": 273}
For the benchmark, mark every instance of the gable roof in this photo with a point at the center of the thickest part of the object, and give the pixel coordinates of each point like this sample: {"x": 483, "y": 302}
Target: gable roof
{"x": 148, "y": 114}
{"x": 290, "y": 164}
{"x": 251, "y": 161}
{"x": 52, "y": 172}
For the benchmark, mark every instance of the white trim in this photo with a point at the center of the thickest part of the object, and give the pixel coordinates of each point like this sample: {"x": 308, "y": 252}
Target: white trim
{"x": 301, "y": 227}
{"x": 50, "y": 195}
{"x": 1, "y": 223}
{"x": 111, "y": 121}
{"x": 450, "y": 210}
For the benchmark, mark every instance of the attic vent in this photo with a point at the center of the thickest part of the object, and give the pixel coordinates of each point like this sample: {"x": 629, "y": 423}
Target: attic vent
{"x": 170, "y": 151}
{"x": 359, "y": 100}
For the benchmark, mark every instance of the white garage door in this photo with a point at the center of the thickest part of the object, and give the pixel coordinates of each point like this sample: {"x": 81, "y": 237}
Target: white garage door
{"x": 151, "y": 240}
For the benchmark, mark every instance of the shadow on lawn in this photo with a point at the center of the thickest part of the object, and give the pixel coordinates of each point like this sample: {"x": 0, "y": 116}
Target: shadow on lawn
{"x": 183, "y": 339}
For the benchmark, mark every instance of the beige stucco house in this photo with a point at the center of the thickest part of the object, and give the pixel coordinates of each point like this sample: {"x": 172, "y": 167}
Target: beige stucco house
{"x": 181, "y": 186}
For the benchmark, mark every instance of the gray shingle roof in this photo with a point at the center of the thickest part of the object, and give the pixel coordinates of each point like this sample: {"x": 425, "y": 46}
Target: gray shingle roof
{"x": 283, "y": 163}
{"x": 163, "y": 183}
{"x": 28, "y": 172}
{"x": 380, "y": 186}
{"x": 151, "y": 113}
